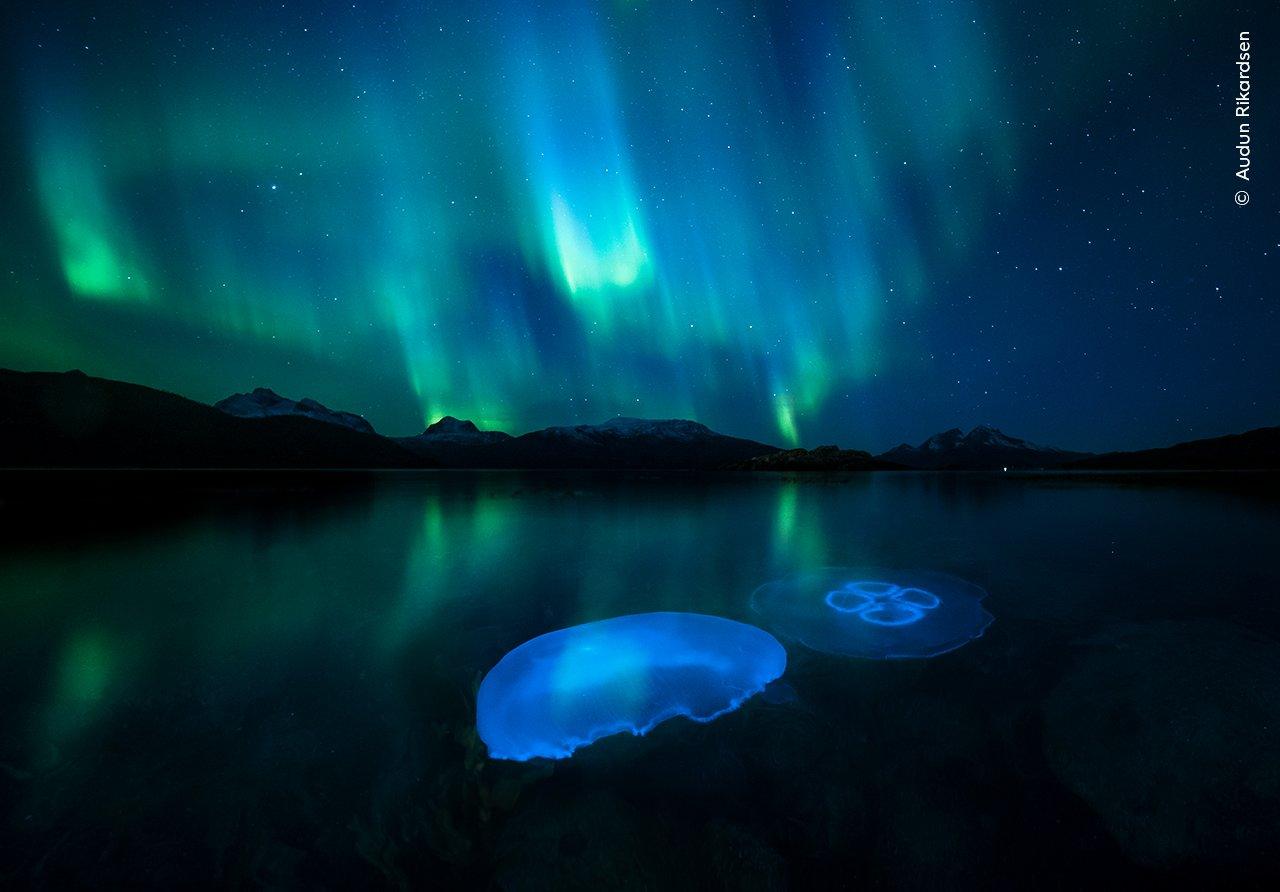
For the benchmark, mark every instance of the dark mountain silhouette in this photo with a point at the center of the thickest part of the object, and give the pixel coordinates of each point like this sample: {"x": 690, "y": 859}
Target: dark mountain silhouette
{"x": 617, "y": 443}
{"x": 821, "y": 458}
{"x": 265, "y": 403}
{"x": 983, "y": 448}
{"x": 1254, "y": 450}
{"x": 51, "y": 419}
{"x": 449, "y": 433}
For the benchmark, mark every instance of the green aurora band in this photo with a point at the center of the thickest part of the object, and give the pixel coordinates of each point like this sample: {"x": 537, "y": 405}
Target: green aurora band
{"x": 542, "y": 213}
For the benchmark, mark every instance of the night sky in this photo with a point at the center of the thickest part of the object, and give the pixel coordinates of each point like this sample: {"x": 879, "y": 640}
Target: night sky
{"x": 804, "y": 222}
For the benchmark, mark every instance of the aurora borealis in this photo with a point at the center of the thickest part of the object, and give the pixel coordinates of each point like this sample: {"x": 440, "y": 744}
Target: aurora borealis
{"x": 802, "y": 222}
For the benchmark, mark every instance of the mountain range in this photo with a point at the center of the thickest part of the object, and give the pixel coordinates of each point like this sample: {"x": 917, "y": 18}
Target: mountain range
{"x": 453, "y": 432}
{"x": 1256, "y": 450}
{"x": 263, "y": 402}
{"x": 617, "y": 443}
{"x": 984, "y": 448}
{"x": 70, "y": 419}
{"x": 820, "y": 459}
{"x": 456, "y": 443}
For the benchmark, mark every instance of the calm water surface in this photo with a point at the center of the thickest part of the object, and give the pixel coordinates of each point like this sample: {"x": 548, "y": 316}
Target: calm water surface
{"x": 223, "y": 681}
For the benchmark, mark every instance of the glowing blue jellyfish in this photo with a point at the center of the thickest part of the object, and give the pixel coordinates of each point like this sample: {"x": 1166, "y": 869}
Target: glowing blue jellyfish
{"x": 876, "y": 614}
{"x": 567, "y": 689}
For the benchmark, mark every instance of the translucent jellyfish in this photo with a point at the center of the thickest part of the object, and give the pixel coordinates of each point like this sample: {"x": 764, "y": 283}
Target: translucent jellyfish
{"x": 876, "y": 614}
{"x": 569, "y": 688}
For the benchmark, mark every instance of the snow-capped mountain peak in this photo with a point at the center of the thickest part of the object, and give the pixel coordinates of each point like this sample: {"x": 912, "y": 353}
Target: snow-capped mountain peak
{"x": 263, "y": 402}
{"x": 673, "y": 428}
{"x": 983, "y": 447}
{"x": 458, "y": 430}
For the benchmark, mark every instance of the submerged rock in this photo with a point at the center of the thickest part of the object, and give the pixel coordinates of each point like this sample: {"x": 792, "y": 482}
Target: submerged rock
{"x": 1168, "y": 731}
{"x": 590, "y": 841}
{"x": 735, "y": 858}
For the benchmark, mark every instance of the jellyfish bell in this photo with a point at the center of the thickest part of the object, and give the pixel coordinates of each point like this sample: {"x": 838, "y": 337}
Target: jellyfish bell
{"x": 874, "y": 613}
{"x": 567, "y": 689}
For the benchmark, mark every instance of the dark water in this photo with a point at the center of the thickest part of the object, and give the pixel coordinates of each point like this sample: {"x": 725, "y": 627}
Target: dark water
{"x": 224, "y": 681}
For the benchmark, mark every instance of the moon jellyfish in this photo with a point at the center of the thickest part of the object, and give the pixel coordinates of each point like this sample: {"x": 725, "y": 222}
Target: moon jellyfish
{"x": 569, "y": 688}
{"x": 875, "y": 614}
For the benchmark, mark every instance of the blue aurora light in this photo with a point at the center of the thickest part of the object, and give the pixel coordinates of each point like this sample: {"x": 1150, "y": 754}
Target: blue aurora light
{"x": 875, "y": 614}
{"x": 569, "y": 688}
